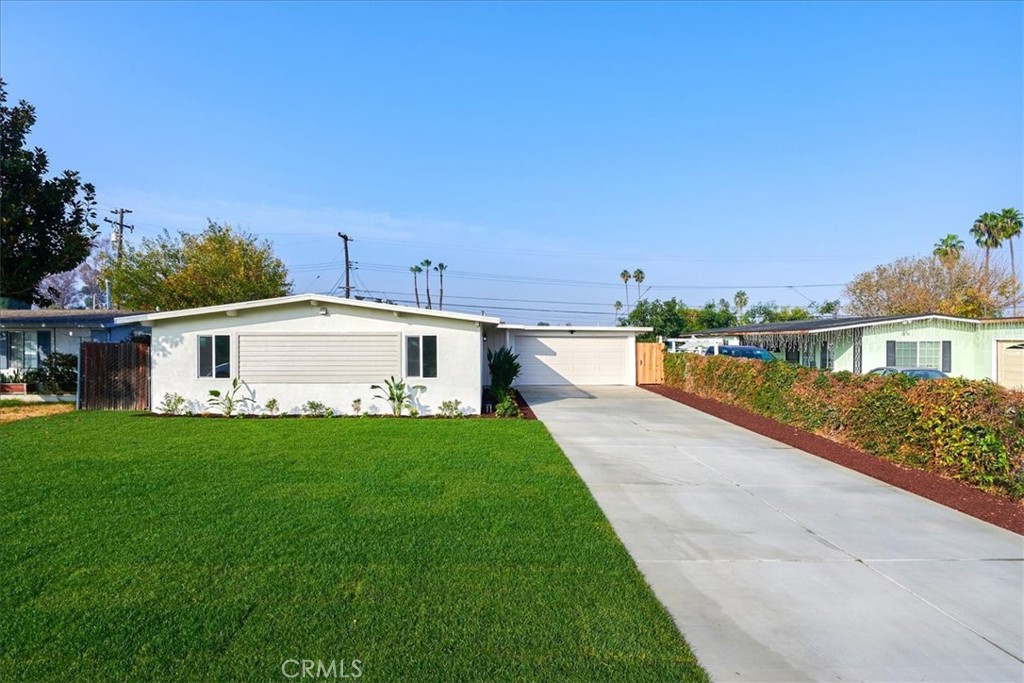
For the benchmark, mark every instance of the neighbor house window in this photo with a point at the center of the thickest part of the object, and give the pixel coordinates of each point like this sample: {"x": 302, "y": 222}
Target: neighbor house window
{"x": 925, "y": 354}
{"x": 421, "y": 356}
{"x": 21, "y": 350}
{"x": 215, "y": 355}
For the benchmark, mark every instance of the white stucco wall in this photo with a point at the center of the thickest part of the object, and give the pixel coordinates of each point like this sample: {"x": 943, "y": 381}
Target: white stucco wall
{"x": 175, "y": 356}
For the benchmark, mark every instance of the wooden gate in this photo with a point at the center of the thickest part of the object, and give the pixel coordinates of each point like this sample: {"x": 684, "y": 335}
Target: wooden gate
{"x": 114, "y": 376}
{"x": 650, "y": 363}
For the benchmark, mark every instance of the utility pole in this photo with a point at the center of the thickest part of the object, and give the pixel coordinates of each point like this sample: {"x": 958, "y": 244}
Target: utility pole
{"x": 119, "y": 227}
{"x": 348, "y": 266}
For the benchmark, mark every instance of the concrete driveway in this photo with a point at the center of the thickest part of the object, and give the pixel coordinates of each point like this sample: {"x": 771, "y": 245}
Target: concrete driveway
{"x": 780, "y": 566}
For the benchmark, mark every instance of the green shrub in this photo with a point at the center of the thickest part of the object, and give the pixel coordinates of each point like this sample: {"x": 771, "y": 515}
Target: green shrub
{"x": 969, "y": 430}
{"x": 451, "y": 409}
{"x": 507, "y": 406}
{"x": 504, "y": 367}
{"x": 58, "y": 372}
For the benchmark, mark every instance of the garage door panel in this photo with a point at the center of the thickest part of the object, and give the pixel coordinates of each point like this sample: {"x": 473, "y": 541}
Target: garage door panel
{"x": 576, "y": 359}
{"x": 1010, "y": 364}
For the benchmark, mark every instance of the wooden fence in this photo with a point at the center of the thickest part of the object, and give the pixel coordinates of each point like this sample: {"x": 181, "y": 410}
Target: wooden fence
{"x": 114, "y": 376}
{"x": 650, "y": 363}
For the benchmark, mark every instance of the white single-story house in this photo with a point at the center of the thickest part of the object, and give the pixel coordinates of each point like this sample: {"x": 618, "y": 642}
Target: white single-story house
{"x": 991, "y": 348}
{"x": 314, "y": 347}
{"x": 27, "y": 336}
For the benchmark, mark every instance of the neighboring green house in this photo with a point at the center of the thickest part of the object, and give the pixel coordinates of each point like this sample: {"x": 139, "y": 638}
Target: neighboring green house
{"x": 975, "y": 349}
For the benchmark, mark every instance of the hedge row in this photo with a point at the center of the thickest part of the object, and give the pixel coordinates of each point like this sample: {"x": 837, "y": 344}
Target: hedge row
{"x": 969, "y": 430}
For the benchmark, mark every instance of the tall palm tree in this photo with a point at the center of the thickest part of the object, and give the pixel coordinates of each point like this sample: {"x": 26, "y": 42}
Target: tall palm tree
{"x": 1010, "y": 223}
{"x": 440, "y": 268}
{"x": 416, "y": 270}
{"x": 618, "y": 307}
{"x": 985, "y": 232}
{"x": 741, "y": 300}
{"x": 426, "y": 263}
{"x": 638, "y": 278}
{"x": 625, "y": 281}
{"x": 949, "y": 248}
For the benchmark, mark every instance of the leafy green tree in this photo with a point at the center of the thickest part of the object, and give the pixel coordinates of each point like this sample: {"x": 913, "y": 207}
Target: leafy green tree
{"x": 46, "y": 225}
{"x": 669, "y": 318}
{"x": 771, "y": 312}
{"x": 218, "y": 266}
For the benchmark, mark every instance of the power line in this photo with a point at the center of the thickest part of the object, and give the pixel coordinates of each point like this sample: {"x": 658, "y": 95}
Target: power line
{"x": 119, "y": 227}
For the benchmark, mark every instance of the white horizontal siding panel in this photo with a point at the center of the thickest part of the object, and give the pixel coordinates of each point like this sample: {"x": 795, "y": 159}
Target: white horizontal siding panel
{"x": 319, "y": 358}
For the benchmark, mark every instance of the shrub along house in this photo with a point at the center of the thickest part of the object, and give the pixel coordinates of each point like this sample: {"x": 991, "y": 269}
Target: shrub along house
{"x": 976, "y": 349}
{"x": 28, "y": 336}
{"x": 311, "y": 347}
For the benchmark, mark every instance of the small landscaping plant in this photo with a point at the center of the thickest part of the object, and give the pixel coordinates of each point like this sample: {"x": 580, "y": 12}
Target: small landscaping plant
{"x": 173, "y": 404}
{"x": 272, "y": 407}
{"x": 315, "y": 409}
{"x": 357, "y": 406}
{"x": 507, "y": 406}
{"x": 451, "y": 409}
{"x": 228, "y": 402}
{"x": 398, "y": 395}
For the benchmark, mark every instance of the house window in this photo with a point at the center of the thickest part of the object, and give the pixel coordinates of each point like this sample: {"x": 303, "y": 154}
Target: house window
{"x": 22, "y": 350}
{"x": 925, "y": 354}
{"x": 215, "y": 355}
{"x": 421, "y": 356}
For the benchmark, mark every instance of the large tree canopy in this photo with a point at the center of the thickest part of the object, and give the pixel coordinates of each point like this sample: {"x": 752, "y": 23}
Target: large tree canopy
{"x": 966, "y": 286}
{"x": 218, "y": 266}
{"x": 46, "y": 225}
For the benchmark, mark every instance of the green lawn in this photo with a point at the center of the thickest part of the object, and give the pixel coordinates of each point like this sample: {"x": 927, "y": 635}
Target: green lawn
{"x": 139, "y": 548}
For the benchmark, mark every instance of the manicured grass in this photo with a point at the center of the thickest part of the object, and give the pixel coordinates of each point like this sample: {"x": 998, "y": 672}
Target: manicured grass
{"x": 139, "y": 548}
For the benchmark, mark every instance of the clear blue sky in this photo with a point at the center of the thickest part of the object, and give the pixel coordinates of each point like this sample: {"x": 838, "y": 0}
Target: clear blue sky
{"x": 540, "y": 148}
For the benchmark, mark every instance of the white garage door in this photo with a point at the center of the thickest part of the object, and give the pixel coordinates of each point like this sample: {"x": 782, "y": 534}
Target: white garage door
{"x": 576, "y": 359}
{"x": 1010, "y": 364}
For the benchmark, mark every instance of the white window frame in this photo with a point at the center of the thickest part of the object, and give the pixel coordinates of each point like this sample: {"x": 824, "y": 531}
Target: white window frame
{"x": 213, "y": 360}
{"x": 405, "y": 356}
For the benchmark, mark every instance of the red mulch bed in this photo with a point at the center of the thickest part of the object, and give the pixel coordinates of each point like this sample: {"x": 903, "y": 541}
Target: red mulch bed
{"x": 989, "y": 507}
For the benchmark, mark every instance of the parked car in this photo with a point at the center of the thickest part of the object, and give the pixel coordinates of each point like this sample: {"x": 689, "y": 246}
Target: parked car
{"x": 925, "y": 373}
{"x": 918, "y": 373}
{"x": 755, "y": 352}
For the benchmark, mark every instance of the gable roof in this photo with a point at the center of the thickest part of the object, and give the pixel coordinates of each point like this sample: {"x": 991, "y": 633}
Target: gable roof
{"x": 833, "y": 324}
{"x": 313, "y": 299}
{"x": 68, "y": 317}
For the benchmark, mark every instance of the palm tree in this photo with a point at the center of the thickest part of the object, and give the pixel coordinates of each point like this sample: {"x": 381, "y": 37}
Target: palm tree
{"x": 416, "y": 270}
{"x": 440, "y": 268}
{"x": 948, "y": 249}
{"x": 1010, "y": 224}
{"x": 986, "y": 234}
{"x": 625, "y": 281}
{"x": 741, "y": 300}
{"x": 618, "y": 307}
{"x": 638, "y": 277}
{"x": 426, "y": 263}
